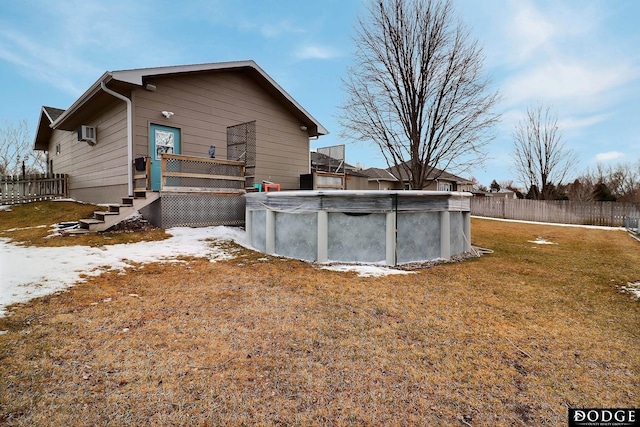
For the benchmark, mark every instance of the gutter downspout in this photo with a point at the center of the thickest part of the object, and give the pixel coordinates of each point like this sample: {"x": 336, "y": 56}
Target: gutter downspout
{"x": 129, "y": 133}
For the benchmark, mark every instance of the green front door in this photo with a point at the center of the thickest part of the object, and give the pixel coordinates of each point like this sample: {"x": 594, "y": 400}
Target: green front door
{"x": 162, "y": 139}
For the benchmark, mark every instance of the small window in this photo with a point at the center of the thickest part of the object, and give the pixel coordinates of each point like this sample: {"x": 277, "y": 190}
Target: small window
{"x": 445, "y": 186}
{"x": 407, "y": 186}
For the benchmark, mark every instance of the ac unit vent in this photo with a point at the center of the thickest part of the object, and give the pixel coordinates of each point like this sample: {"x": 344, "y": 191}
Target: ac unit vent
{"x": 87, "y": 134}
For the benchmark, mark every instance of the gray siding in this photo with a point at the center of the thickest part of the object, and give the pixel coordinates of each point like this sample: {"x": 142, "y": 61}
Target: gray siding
{"x": 204, "y": 105}
{"x": 97, "y": 173}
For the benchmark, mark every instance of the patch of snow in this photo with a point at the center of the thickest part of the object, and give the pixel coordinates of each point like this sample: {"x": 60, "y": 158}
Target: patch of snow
{"x": 68, "y": 199}
{"x": 632, "y": 288}
{"x": 31, "y": 272}
{"x": 366, "y": 270}
{"x": 6, "y": 208}
{"x": 26, "y": 228}
{"x": 541, "y": 241}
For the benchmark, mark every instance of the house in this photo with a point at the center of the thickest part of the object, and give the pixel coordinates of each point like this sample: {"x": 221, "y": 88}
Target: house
{"x": 396, "y": 178}
{"x": 177, "y": 124}
{"x": 382, "y": 179}
{"x": 503, "y": 194}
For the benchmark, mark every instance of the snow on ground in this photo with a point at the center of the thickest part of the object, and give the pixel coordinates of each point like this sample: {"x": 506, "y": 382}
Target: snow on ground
{"x": 31, "y": 272}
{"x": 367, "y": 270}
{"x": 541, "y": 241}
{"x": 632, "y": 288}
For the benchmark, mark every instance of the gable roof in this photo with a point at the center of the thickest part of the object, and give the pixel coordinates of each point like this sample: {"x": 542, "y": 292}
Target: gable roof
{"x": 71, "y": 118}
{"x": 48, "y": 115}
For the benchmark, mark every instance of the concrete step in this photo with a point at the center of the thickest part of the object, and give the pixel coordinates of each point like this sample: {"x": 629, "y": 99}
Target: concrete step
{"x": 103, "y": 220}
{"x": 101, "y": 215}
{"x": 86, "y": 223}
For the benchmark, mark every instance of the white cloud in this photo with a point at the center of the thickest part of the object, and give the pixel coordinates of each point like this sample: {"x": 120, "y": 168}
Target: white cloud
{"x": 608, "y": 156}
{"x": 571, "y": 123}
{"x": 272, "y": 30}
{"x": 529, "y": 31}
{"x": 564, "y": 79}
{"x": 561, "y": 53}
{"x": 316, "y": 52}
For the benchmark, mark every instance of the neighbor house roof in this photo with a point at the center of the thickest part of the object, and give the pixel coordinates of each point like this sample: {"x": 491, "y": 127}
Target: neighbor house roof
{"x": 434, "y": 174}
{"x": 379, "y": 174}
{"x": 71, "y": 118}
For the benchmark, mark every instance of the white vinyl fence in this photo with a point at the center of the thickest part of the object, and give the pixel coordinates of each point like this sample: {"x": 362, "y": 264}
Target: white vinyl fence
{"x": 30, "y": 188}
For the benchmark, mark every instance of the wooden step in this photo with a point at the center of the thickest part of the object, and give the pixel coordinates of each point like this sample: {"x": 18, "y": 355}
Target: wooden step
{"x": 114, "y": 208}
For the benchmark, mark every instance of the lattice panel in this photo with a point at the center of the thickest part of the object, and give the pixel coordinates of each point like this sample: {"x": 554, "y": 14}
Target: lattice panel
{"x": 336, "y": 157}
{"x": 196, "y": 210}
{"x": 241, "y": 146}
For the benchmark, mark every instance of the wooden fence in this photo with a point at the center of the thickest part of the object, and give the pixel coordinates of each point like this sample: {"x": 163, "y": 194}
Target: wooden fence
{"x": 611, "y": 214}
{"x": 31, "y": 188}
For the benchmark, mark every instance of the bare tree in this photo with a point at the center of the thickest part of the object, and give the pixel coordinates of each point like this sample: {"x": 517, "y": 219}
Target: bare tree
{"x": 622, "y": 180}
{"x": 541, "y": 159}
{"x": 16, "y": 148}
{"x": 416, "y": 89}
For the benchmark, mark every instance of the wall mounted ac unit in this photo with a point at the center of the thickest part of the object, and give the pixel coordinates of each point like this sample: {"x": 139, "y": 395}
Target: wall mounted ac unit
{"x": 87, "y": 134}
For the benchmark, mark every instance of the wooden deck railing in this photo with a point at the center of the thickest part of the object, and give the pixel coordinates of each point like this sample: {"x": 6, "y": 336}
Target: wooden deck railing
{"x": 189, "y": 173}
{"x": 31, "y": 188}
{"x": 142, "y": 173}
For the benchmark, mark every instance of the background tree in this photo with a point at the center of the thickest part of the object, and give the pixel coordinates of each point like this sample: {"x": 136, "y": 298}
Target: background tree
{"x": 495, "y": 187}
{"x": 416, "y": 89}
{"x": 601, "y": 193}
{"x": 16, "y": 146}
{"x": 624, "y": 182}
{"x": 581, "y": 190}
{"x": 477, "y": 186}
{"x": 620, "y": 182}
{"x": 540, "y": 156}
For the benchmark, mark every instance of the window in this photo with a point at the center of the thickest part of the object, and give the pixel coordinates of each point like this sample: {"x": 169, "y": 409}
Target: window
{"x": 445, "y": 186}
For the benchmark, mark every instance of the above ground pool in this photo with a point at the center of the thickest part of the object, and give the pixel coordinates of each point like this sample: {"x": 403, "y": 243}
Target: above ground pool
{"x": 391, "y": 227}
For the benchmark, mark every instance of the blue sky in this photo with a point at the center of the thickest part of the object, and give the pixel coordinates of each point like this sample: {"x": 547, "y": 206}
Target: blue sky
{"x": 579, "y": 56}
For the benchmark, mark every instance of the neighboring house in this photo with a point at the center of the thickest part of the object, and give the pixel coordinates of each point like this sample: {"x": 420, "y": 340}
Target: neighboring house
{"x": 438, "y": 180}
{"x": 503, "y": 194}
{"x": 132, "y": 114}
{"x": 382, "y": 179}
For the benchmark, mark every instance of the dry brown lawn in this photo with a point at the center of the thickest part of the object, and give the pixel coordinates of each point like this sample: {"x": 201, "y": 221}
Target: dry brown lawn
{"x": 509, "y": 339}
{"x": 31, "y": 224}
